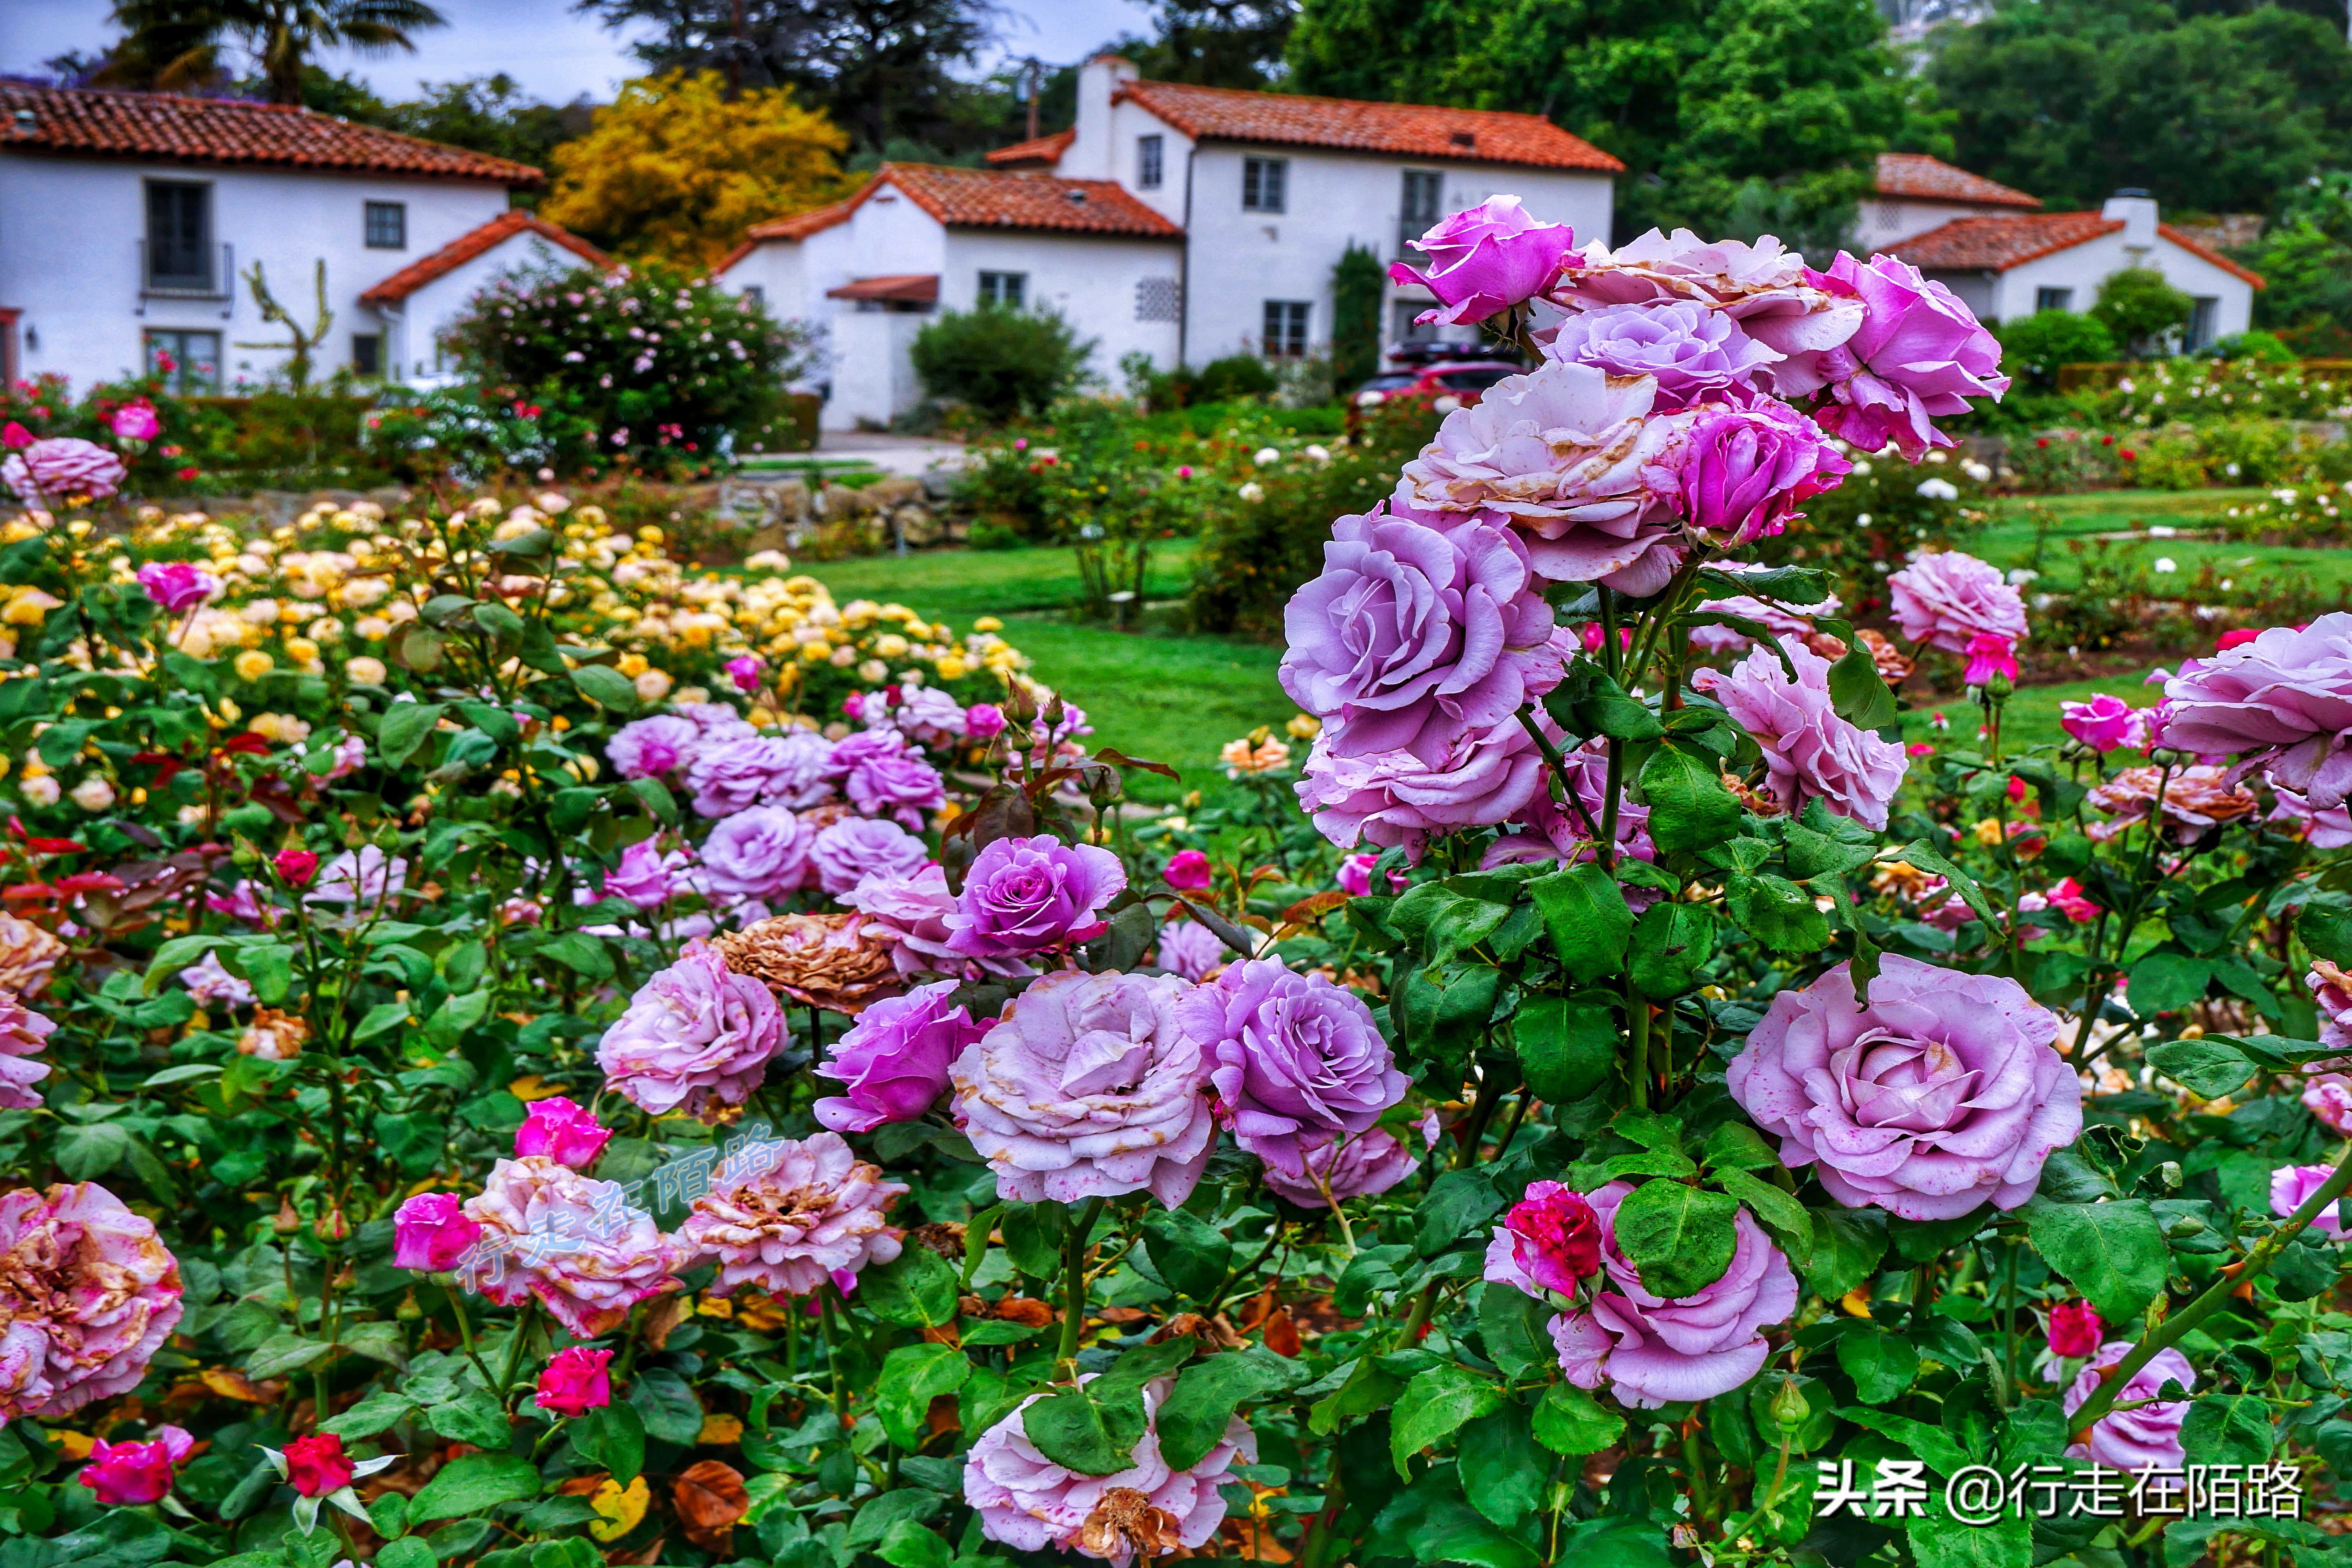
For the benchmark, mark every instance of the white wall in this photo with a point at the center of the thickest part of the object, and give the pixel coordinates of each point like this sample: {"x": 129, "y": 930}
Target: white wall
{"x": 413, "y": 328}
{"x": 2083, "y": 267}
{"x": 71, "y": 232}
{"x": 1886, "y": 220}
{"x": 1090, "y": 281}
{"x": 873, "y": 374}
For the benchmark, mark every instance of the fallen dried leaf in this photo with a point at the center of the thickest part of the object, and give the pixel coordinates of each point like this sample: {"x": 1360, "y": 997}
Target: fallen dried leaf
{"x": 711, "y": 1498}
{"x": 623, "y": 1507}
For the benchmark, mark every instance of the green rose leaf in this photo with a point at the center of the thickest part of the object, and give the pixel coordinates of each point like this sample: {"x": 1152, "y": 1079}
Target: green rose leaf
{"x": 2112, "y": 1252}
{"x": 1435, "y": 1406}
{"x": 1679, "y": 1240}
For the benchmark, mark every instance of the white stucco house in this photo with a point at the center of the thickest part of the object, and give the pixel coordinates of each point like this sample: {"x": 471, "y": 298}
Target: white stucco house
{"x": 1914, "y": 192}
{"x": 2005, "y": 265}
{"x": 129, "y": 222}
{"x": 1185, "y": 222}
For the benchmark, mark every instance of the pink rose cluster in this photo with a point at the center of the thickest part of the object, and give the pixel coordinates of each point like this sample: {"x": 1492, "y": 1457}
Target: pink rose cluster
{"x": 1694, "y": 398}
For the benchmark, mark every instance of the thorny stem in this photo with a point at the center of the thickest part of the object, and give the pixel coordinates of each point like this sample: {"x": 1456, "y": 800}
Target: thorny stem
{"x": 1073, "y": 1279}
{"x": 1637, "y": 1062}
{"x": 523, "y": 1320}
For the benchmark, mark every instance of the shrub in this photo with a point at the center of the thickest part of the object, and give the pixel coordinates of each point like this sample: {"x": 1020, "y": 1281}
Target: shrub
{"x": 1359, "y": 292}
{"x": 642, "y": 366}
{"x": 2260, "y": 345}
{"x": 2064, "y": 459}
{"x": 1000, "y": 361}
{"x": 2032, "y": 348}
{"x": 2140, "y": 310}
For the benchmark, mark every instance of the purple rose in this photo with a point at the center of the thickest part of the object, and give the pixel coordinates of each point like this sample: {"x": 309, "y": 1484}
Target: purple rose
{"x": 1692, "y": 350}
{"x": 177, "y": 585}
{"x": 1343, "y": 1166}
{"x": 1764, "y": 287}
{"x": 643, "y": 876}
{"x": 1090, "y": 1088}
{"x": 62, "y": 469}
{"x": 2291, "y": 1188}
{"x": 1292, "y": 1054}
{"x": 2328, "y": 829}
{"x": 1567, "y": 455}
{"x": 983, "y": 720}
{"x": 1413, "y": 635}
{"x": 1190, "y": 949}
{"x": 762, "y": 853}
{"x": 694, "y": 1033}
{"x": 2103, "y": 723}
{"x": 1943, "y": 1094}
{"x": 856, "y": 847}
{"x": 2146, "y": 1435}
{"x": 734, "y": 775}
{"x": 1739, "y": 473}
{"x": 2327, "y": 1096}
{"x": 895, "y": 1059}
{"x": 911, "y": 912}
{"x": 1395, "y": 798}
{"x": 1918, "y": 353}
{"x": 648, "y": 748}
{"x": 1652, "y": 1350}
{"x": 884, "y": 776}
{"x": 1809, "y": 751}
{"x": 2331, "y": 991}
{"x": 1485, "y": 259}
{"x": 1947, "y": 598}
{"x": 1790, "y": 620}
{"x": 1026, "y": 895}
{"x": 2282, "y": 701}
{"x": 928, "y": 715}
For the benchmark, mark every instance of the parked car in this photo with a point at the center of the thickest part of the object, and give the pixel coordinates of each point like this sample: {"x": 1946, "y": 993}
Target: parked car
{"x": 1461, "y": 380}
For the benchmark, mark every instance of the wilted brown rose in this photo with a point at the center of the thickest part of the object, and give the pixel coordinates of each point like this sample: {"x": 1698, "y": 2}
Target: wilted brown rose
{"x": 943, "y": 1236}
{"x": 830, "y": 961}
{"x": 27, "y": 953}
{"x": 1125, "y": 1523}
{"x": 273, "y": 1035}
{"x": 1894, "y": 665}
{"x": 2195, "y": 799}
{"x": 1757, "y": 799}
{"x": 1904, "y": 878}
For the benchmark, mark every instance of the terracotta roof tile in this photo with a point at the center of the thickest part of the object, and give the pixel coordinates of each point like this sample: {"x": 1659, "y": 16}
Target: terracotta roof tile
{"x": 901, "y": 288}
{"x": 800, "y": 226}
{"x": 1997, "y": 244}
{"x": 227, "y": 131}
{"x": 1411, "y": 130}
{"x": 989, "y": 198}
{"x": 2198, "y": 247}
{"x": 1923, "y": 178}
{"x": 477, "y": 242}
{"x": 1044, "y": 152}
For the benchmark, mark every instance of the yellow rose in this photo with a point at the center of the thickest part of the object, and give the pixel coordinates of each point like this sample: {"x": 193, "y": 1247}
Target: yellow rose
{"x": 952, "y": 669}
{"x": 890, "y": 645}
{"x": 301, "y": 651}
{"x": 988, "y": 624}
{"x": 253, "y": 664}
{"x": 632, "y": 664}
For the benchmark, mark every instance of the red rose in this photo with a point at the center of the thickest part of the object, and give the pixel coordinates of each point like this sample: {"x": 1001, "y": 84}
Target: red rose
{"x": 2075, "y": 1329}
{"x": 316, "y": 1465}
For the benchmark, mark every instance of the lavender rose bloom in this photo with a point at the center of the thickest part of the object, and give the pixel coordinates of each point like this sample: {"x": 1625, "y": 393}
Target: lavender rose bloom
{"x": 1345, "y": 1165}
{"x": 56, "y": 471}
{"x": 848, "y": 852}
{"x": 2150, "y": 1435}
{"x": 1809, "y": 751}
{"x": 1026, "y": 895}
{"x": 1652, "y": 1350}
{"x": 911, "y": 912}
{"x": 894, "y": 1060}
{"x": 1293, "y": 1055}
{"x": 1090, "y": 1087}
{"x": 24, "y": 1034}
{"x": 884, "y": 776}
{"x": 1943, "y": 1094}
{"x": 1764, "y": 287}
{"x": 1948, "y": 598}
{"x": 643, "y": 876}
{"x": 1739, "y": 473}
{"x": 1190, "y": 949}
{"x": 1918, "y": 353}
{"x": 2331, "y": 991}
{"x": 1394, "y": 797}
{"x": 1565, "y": 452}
{"x": 694, "y": 1034}
{"x": 763, "y": 853}
{"x": 1692, "y": 350}
{"x": 735, "y": 776}
{"x": 2291, "y": 1188}
{"x": 177, "y": 585}
{"x": 1414, "y": 633}
{"x": 2283, "y": 700}
{"x": 648, "y": 748}
{"x": 1485, "y": 259}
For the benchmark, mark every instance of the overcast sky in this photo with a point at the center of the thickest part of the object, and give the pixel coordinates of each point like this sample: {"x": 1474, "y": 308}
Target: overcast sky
{"x": 554, "y": 52}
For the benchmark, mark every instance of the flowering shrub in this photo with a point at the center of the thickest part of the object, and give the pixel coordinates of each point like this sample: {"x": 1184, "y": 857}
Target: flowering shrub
{"x": 519, "y": 1054}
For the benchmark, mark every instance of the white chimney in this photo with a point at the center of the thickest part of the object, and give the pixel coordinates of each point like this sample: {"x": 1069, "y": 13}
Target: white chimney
{"x": 2137, "y": 208}
{"x": 1091, "y": 156}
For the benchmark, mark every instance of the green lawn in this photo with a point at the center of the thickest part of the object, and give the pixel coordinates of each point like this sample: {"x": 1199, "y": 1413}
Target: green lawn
{"x": 2013, "y": 539}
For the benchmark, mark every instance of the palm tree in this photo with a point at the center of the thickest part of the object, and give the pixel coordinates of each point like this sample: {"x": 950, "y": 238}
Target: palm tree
{"x": 179, "y": 41}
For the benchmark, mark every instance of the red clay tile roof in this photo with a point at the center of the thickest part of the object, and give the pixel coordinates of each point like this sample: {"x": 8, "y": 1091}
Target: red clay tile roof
{"x": 1997, "y": 244}
{"x": 1918, "y": 176}
{"x": 466, "y": 246}
{"x": 1412, "y": 130}
{"x": 2199, "y": 248}
{"x": 225, "y": 131}
{"x": 986, "y": 199}
{"x": 904, "y": 288}
{"x": 1042, "y": 153}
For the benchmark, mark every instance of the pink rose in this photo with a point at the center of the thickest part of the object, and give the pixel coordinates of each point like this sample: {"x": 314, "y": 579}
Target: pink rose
{"x": 317, "y": 1465}
{"x": 1918, "y": 354}
{"x": 2075, "y": 1329}
{"x": 2103, "y": 723}
{"x": 1485, "y": 259}
{"x": 1948, "y": 598}
{"x": 1989, "y": 654}
{"x": 136, "y": 421}
{"x": 2147, "y": 1435}
{"x": 564, "y": 1132}
{"x": 129, "y": 1474}
{"x": 2328, "y": 1098}
{"x": 90, "y": 1295}
{"x": 575, "y": 1382}
{"x": 1187, "y": 871}
{"x": 893, "y": 1062}
{"x": 2291, "y": 1188}
{"x": 430, "y": 1233}
{"x": 63, "y": 469}
{"x": 177, "y": 586}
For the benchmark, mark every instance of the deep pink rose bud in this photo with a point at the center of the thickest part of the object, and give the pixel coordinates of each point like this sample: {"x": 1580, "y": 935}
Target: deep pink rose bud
{"x": 1555, "y": 1236}
{"x": 1487, "y": 258}
{"x": 177, "y": 585}
{"x": 297, "y": 866}
{"x": 317, "y": 1465}
{"x": 136, "y": 421}
{"x": 1989, "y": 656}
{"x": 15, "y": 436}
{"x": 564, "y": 1132}
{"x": 1188, "y": 871}
{"x": 2103, "y": 723}
{"x": 576, "y": 1382}
{"x": 744, "y": 671}
{"x": 128, "y": 1473}
{"x": 2075, "y": 1329}
{"x": 983, "y": 720}
{"x": 430, "y": 1234}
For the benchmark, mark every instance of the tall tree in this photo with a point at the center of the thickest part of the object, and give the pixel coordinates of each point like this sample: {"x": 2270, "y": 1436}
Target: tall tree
{"x": 675, "y": 169}
{"x": 181, "y": 40}
{"x": 879, "y": 68}
{"x": 1214, "y": 42}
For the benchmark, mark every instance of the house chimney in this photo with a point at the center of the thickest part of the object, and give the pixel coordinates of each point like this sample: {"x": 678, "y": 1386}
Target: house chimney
{"x": 2137, "y": 208}
{"x": 1091, "y": 155}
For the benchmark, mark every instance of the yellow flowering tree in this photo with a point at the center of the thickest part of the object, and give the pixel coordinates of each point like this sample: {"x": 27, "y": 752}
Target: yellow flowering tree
{"x": 675, "y": 170}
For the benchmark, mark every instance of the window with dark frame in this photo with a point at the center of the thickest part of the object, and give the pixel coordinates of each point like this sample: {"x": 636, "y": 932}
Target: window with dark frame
{"x": 1422, "y": 205}
{"x": 2053, "y": 300}
{"x": 367, "y": 353}
{"x": 1150, "y": 169}
{"x": 1263, "y": 182}
{"x": 2204, "y": 316}
{"x": 1006, "y": 289}
{"x": 387, "y": 226}
{"x": 186, "y": 362}
{"x": 1286, "y": 329}
{"x": 179, "y": 235}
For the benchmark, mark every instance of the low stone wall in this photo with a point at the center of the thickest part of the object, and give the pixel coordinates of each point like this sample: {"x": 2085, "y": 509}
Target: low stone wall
{"x": 785, "y": 514}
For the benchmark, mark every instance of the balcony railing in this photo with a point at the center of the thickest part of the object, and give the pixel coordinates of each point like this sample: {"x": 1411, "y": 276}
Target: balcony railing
{"x": 217, "y": 283}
